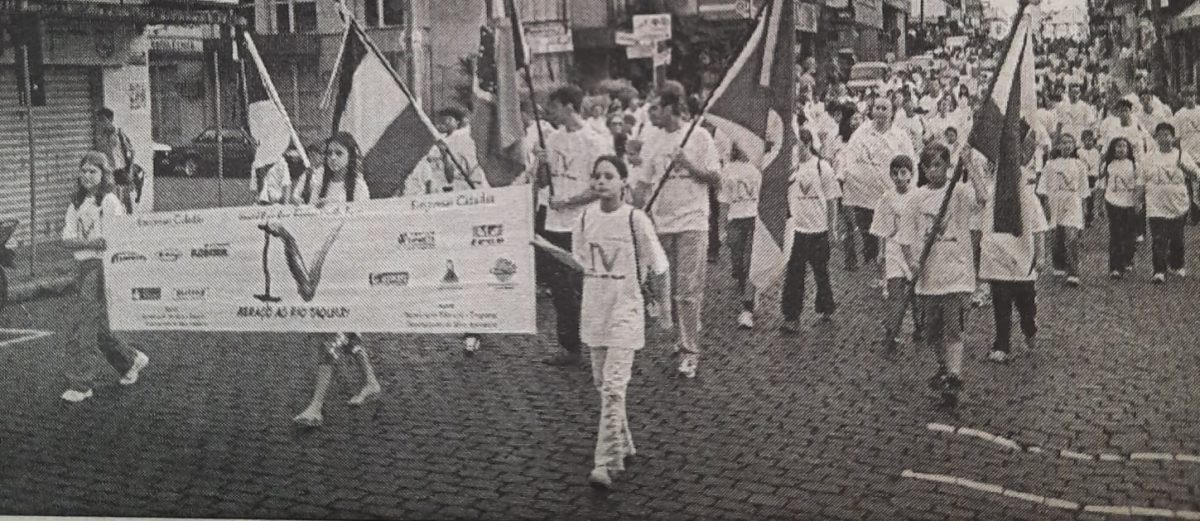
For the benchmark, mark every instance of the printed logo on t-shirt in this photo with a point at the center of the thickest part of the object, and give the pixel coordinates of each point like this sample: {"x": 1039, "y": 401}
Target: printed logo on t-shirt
{"x": 608, "y": 261}
{"x": 742, "y": 192}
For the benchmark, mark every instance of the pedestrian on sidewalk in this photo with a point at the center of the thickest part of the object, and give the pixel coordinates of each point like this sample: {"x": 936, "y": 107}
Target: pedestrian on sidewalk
{"x": 339, "y": 180}
{"x": 116, "y": 146}
{"x": 569, "y": 155}
{"x": 1122, "y": 199}
{"x": 889, "y": 216}
{"x": 680, "y": 212}
{"x": 811, "y": 193}
{"x": 946, "y": 280}
{"x": 1063, "y": 185}
{"x": 83, "y": 232}
{"x": 1164, "y": 175}
{"x": 619, "y": 250}
{"x": 741, "y": 182}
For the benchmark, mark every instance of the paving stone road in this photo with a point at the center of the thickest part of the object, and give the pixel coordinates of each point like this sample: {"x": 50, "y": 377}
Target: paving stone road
{"x": 818, "y": 426}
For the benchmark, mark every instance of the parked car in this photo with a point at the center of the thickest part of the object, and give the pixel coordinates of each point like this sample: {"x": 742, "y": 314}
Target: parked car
{"x": 199, "y": 157}
{"x": 866, "y": 75}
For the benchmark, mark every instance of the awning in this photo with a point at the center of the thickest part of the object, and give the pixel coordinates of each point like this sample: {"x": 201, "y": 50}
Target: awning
{"x": 218, "y": 14}
{"x": 1188, "y": 19}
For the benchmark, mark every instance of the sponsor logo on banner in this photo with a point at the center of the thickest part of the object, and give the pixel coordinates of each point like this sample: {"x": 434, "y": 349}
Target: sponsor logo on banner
{"x": 127, "y": 256}
{"x": 191, "y": 294}
{"x": 450, "y": 280}
{"x": 211, "y": 250}
{"x": 146, "y": 294}
{"x": 487, "y": 235}
{"x": 170, "y": 255}
{"x": 417, "y": 240}
{"x": 504, "y": 271}
{"x": 394, "y": 278}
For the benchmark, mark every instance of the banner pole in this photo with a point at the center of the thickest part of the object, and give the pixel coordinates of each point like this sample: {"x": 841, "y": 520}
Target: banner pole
{"x": 32, "y": 157}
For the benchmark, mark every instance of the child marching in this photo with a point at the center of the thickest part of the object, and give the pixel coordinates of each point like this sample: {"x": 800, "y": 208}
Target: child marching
{"x": 619, "y": 251}
{"x": 889, "y": 216}
{"x": 1164, "y": 177}
{"x": 1064, "y": 185}
{"x": 1122, "y": 198}
{"x": 740, "y": 184}
{"x": 811, "y": 200}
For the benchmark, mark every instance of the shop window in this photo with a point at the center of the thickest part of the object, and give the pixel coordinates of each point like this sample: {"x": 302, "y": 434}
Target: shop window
{"x": 295, "y": 16}
{"x": 384, "y": 13}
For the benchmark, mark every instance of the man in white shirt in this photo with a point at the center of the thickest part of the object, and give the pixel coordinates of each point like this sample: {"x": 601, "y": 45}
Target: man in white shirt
{"x": 570, "y": 155}
{"x": 680, "y": 210}
{"x": 1122, "y": 124}
{"x": 445, "y": 163}
{"x": 1187, "y": 124}
{"x": 864, "y": 165}
{"x": 1152, "y": 112}
{"x": 1075, "y": 114}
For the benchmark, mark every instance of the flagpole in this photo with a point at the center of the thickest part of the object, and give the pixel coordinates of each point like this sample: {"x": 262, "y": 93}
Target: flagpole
{"x": 441, "y": 143}
{"x": 695, "y": 121}
{"x": 959, "y": 174}
{"x": 537, "y": 113}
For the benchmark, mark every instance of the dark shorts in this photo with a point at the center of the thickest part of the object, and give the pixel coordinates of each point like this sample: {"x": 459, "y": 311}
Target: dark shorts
{"x": 944, "y": 316}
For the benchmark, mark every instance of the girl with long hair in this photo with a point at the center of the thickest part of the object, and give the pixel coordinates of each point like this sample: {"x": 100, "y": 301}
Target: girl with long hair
{"x": 83, "y": 233}
{"x": 1118, "y": 182}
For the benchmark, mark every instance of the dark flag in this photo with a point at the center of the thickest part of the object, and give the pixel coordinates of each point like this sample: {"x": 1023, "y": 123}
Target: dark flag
{"x": 377, "y": 108}
{"x": 753, "y": 105}
{"x": 1004, "y": 122}
{"x": 496, "y": 125}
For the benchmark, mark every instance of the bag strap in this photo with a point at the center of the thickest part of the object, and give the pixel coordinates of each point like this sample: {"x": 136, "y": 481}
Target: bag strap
{"x": 637, "y": 262}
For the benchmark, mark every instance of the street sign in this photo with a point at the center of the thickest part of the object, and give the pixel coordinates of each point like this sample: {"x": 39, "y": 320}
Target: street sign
{"x": 549, "y": 39}
{"x": 656, "y": 27}
{"x": 638, "y": 52}
{"x": 662, "y": 57}
{"x": 625, "y": 39}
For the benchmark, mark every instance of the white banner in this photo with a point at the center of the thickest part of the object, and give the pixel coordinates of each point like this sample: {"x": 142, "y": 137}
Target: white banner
{"x": 446, "y": 263}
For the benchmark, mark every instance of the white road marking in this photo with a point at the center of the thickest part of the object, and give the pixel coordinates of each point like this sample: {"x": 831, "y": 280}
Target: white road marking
{"x": 997, "y": 490}
{"x": 1062, "y": 453}
{"x": 26, "y": 335}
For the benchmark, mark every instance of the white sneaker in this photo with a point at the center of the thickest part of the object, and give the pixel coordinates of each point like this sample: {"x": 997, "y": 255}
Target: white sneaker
{"x": 1141, "y": 238}
{"x": 74, "y": 396}
{"x": 1059, "y": 273}
{"x": 139, "y": 363}
{"x": 746, "y": 320}
{"x": 470, "y": 345}
{"x": 1181, "y": 272}
{"x": 1158, "y": 278}
{"x": 687, "y": 366}
{"x": 1072, "y": 281}
{"x": 1000, "y": 357}
{"x": 600, "y": 479}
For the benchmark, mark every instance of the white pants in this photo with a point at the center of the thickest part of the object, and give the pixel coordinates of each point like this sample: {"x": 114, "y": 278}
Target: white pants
{"x": 611, "y": 367}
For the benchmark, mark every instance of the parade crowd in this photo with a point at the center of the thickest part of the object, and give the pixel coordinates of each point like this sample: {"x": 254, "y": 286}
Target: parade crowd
{"x": 645, "y": 207}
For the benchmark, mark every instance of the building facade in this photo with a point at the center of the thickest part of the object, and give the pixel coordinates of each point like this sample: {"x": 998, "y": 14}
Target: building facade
{"x": 95, "y": 54}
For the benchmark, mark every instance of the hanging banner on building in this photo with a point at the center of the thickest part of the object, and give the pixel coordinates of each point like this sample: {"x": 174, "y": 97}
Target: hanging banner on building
{"x": 444, "y": 263}
{"x": 549, "y": 39}
{"x": 869, "y": 13}
{"x": 638, "y": 52}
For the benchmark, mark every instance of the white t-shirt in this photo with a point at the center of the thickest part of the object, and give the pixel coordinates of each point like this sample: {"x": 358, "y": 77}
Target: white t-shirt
{"x": 612, "y": 307}
{"x": 740, "y": 186}
{"x": 87, "y": 222}
{"x": 572, "y": 155}
{"x": 277, "y": 184}
{"x": 1112, "y": 128}
{"x": 682, "y": 205}
{"x": 1187, "y": 127}
{"x": 810, "y": 187}
{"x": 1007, "y": 257}
{"x": 889, "y": 217}
{"x": 866, "y": 161}
{"x": 429, "y": 175}
{"x": 1064, "y": 183}
{"x": 1075, "y": 117}
{"x": 1091, "y": 160}
{"x": 1163, "y": 178}
{"x": 950, "y": 267}
{"x": 1121, "y": 184}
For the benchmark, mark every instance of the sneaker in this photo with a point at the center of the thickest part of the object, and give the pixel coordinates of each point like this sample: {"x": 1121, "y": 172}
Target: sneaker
{"x": 1059, "y": 273}
{"x": 74, "y": 396}
{"x": 951, "y": 388}
{"x": 599, "y": 479}
{"x": 998, "y": 356}
{"x": 891, "y": 345}
{"x": 746, "y": 320}
{"x": 564, "y": 359}
{"x": 1181, "y": 272}
{"x": 978, "y": 300}
{"x": 789, "y": 326}
{"x": 1158, "y": 278}
{"x": 935, "y": 381}
{"x": 1141, "y": 238}
{"x": 470, "y": 345}
{"x": 139, "y": 363}
{"x": 687, "y": 367}
{"x": 1073, "y": 281}
{"x": 1115, "y": 275}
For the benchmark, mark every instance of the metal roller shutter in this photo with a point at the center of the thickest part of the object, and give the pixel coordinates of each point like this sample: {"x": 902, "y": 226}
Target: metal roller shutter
{"x": 62, "y": 132}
